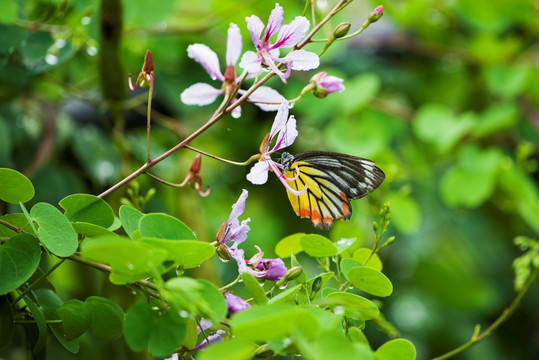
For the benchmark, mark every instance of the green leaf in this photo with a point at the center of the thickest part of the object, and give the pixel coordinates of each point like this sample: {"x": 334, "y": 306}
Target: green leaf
{"x": 362, "y": 254}
{"x": 11, "y": 37}
{"x": 138, "y": 326}
{"x": 370, "y": 280}
{"x": 167, "y": 334}
{"x": 497, "y": 118}
{"x": 41, "y": 324}
{"x": 55, "y": 231}
{"x": 344, "y": 244}
{"x": 255, "y": 289}
{"x": 15, "y": 187}
{"x": 286, "y": 295}
{"x": 6, "y": 323}
{"x": 302, "y": 278}
{"x": 90, "y": 230}
{"x": 349, "y": 264}
{"x": 19, "y": 258}
{"x": 262, "y": 323}
{"x": 130, "y": 261}
{"x": 163, "y": 226}
{"x": 49, "y": 302}
{"x": 405, "y": 212}
{"x": 19, "y": 220}
{"x": 397, "y": 349}
{"x": 87, "y": 208}
{"x": 8, "y": 11}
{"x": 289, "y": 245}
{"x": 233, "y": 349}
{"x": 357, "y": 336}
{"x": 318, "y": 246}
{"x": 355, "y": 306}
{"x": 507, "y": 81}
{"x": 360, "y": 91}
{"x": 472, "y": 181}
{"x": 187, "y": 253}
{"x": 335, "y": 346}
{"x": 107, "y": 318}
{"x": 146, "y": 326}
{"x": 437, "y": 125}
{"x": 199, "y": 297}
{"x": 75, "y": 318}
{"x": 216, "y": 304}
{"x": 130, "y": 218}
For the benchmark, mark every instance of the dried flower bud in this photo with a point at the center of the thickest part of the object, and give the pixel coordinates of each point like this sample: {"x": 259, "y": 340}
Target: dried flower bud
{"x": 145, "y": 77}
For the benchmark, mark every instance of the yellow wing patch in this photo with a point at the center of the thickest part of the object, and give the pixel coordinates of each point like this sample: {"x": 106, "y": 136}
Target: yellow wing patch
{"x": 332, "y": 180}
{"x": 323, "y": 201}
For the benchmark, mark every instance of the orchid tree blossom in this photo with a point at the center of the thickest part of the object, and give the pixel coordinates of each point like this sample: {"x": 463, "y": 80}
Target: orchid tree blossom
{"x": 267, "y": 54}
{"x": 232, "y": 231}
{"x": 284, "y": 131}
{"x": 204, "y": 94}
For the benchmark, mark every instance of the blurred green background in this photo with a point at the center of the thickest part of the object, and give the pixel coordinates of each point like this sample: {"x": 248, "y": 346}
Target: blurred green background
{"x": 443, "y": 95}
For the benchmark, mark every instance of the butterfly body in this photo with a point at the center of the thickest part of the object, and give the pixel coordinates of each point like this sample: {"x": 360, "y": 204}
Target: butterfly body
{"x": 332, "y": 180}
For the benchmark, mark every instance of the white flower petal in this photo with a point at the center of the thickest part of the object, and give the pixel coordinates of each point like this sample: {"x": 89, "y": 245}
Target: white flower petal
{"x": 255, "y": 27}
{"x": 200, "y": 94}
{"x": 206, "y": 57}
{"x": 265, "y": 94}
{"x": 281, "y": 117}
{"x": 303, "y": 60}
{"x": 259, "y": 173}
{"x": 287, "y": 136}
{"x": 233, "y": 44}
{"x": 250, "y": 62}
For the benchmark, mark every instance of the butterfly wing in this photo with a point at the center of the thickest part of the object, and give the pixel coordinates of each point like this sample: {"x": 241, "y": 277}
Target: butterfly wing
{"x": 332, "y": 180}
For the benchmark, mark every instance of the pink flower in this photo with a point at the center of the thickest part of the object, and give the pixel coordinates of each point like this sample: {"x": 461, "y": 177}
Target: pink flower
{"x": 204, "y": 94}
{"x": 268, "y": 54}
{"x": 235, "y": 304}
{"x": 275, "y": 268}
{"x": 284, "y": 131}
{"x": 326, "y": 84}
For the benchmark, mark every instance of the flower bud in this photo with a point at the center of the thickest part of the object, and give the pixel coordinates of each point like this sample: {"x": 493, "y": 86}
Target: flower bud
{"x": 341, "y": 30}
{"x": 223, "y": 252}
{"x": 263, "y": 351}
{"x": 376, "y": 14}
{"x": 326, "y": 84}
{"x": 293, "y": 273}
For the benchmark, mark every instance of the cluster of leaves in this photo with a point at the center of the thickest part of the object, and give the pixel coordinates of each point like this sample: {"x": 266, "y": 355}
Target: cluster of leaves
{"x": 296, "y": 315}
{"x": 447, "y": 109}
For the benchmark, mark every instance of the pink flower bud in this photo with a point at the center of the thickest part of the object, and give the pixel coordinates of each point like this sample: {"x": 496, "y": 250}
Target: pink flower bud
{"x": 376, "y": 14}
{"x": 326, "y": 84}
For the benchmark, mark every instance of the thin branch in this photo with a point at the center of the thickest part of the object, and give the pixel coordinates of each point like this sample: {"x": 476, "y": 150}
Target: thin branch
{"x": 499, "y": 321}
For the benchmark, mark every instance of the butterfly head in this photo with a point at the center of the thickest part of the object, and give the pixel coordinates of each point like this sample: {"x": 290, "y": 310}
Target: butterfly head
{"x": 287, "y": 160}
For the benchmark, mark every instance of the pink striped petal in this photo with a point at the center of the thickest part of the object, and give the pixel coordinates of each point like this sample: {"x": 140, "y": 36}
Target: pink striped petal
{"x": 292, "y": 33}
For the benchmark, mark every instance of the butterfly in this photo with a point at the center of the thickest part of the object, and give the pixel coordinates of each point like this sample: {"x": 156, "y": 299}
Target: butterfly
{"x": 332, "y": 180}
